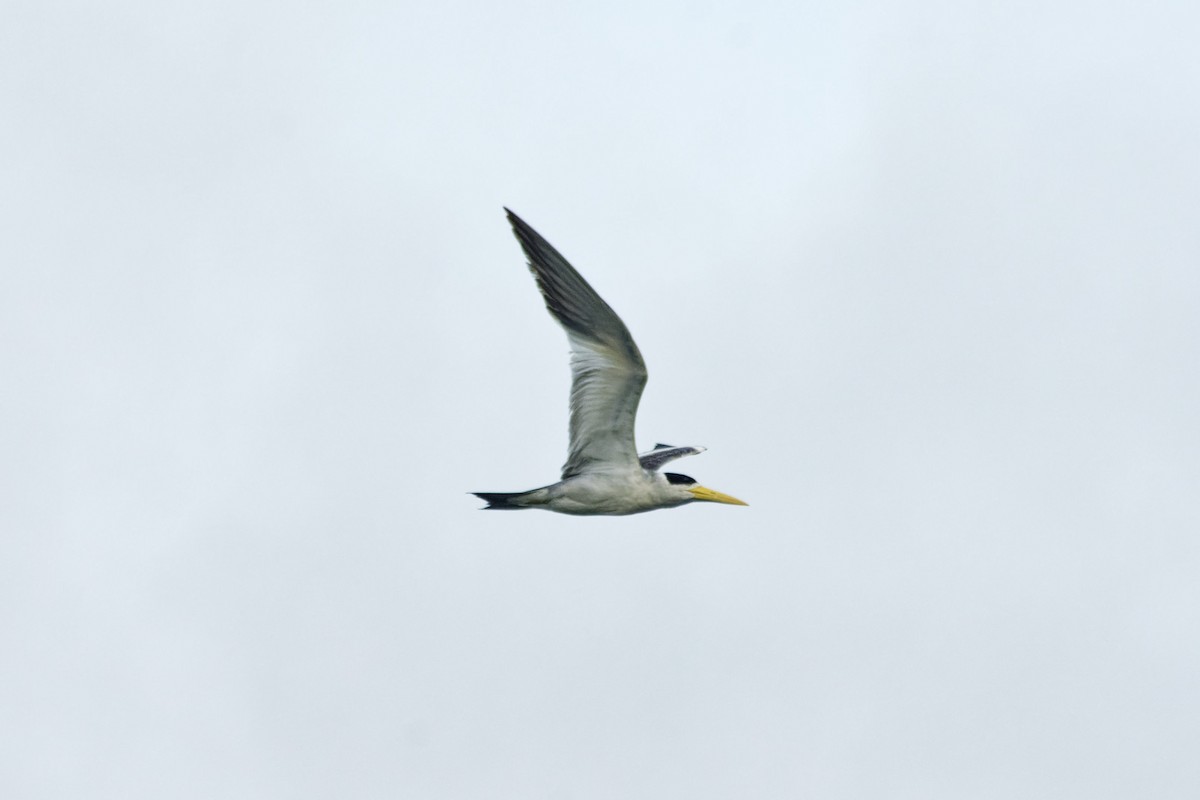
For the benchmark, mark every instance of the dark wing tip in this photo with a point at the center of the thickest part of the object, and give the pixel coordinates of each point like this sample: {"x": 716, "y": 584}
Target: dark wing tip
{"x": 519, "y": 225}
{"x": 543, "y": 257}
{"x": 568, "y": 296}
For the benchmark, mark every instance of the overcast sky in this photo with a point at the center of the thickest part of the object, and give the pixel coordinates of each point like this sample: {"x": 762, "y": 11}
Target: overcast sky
{"x": 924, "y": 278}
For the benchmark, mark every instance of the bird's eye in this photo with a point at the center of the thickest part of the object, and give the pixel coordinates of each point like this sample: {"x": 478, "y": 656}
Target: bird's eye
{"x": 676, "y": 478}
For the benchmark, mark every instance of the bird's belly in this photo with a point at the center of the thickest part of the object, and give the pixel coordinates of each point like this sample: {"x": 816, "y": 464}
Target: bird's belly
{"x": 605, "y": 495}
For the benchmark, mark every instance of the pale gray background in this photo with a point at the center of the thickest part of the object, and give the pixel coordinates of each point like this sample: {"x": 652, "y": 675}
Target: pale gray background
{"x": 923, "y": 277}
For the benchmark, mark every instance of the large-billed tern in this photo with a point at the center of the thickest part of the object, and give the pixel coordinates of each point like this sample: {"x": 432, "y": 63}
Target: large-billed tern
{"x": 604, "y": 473}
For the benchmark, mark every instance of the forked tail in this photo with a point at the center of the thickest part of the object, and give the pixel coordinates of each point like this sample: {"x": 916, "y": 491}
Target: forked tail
{"x": 501, "y": 500}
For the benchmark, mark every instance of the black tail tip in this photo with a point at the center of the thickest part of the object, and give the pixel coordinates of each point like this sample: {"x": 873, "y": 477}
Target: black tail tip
{"x": 498, "y": 500}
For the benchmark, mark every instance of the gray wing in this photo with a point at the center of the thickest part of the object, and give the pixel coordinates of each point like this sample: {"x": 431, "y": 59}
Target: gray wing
{"x": 607, "y": 371}
{"x": 653, "y": 460}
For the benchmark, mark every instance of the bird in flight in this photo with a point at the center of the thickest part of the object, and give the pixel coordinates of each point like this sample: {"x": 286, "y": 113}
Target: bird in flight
{"x": 604, "y": 473}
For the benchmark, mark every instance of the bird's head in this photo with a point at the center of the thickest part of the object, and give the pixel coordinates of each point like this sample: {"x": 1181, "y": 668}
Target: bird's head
{"x": 691, "y": 491}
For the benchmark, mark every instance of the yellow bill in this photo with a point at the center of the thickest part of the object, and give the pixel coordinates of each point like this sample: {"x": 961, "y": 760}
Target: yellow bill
{"x": 708, "y": 495}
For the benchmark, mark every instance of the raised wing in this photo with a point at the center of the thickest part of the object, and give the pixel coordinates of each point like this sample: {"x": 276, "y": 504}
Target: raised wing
{"x": 607, "y": 371}
{"x": 662, "y": 453}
